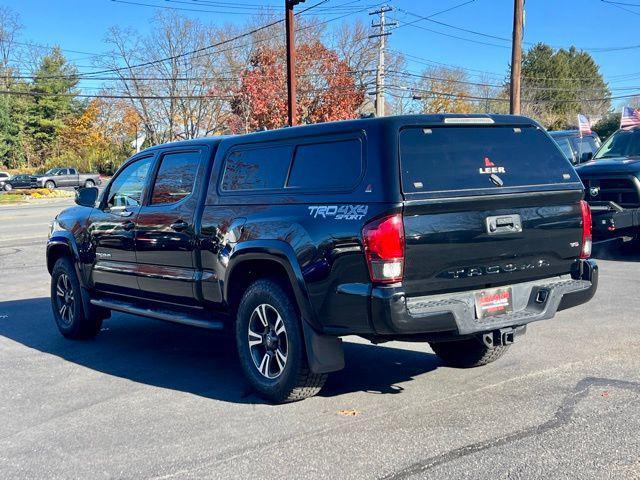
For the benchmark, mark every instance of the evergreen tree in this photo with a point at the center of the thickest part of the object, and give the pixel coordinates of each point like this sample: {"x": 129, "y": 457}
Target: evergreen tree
{"x": 559, "y": 84}
{"x": 53, "y": 91}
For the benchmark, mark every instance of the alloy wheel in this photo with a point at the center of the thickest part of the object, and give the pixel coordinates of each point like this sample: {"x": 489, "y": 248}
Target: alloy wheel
{"x": 65, "y": 299}
{"x": 268, "y": 342}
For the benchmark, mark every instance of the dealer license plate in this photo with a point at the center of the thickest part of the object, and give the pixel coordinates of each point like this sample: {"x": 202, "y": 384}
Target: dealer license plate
{"x": 494, "y": 302}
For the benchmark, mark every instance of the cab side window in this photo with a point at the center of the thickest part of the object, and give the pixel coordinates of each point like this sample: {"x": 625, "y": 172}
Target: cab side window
{"x": 176, "y": 177}
{"x": 128, "y": 187}
{"x": 322, "y": 166}
{"x": 257, "y": 168}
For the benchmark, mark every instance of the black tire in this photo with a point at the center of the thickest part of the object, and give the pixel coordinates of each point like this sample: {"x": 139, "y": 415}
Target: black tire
{"x": 50, "y": 184}
{"x": 73, "y": 322}
{"x": 89, "y": 183}
{"x": 8, "y": 187}
{"x": 276, "y": 381}
{"x": 468, "y": 353}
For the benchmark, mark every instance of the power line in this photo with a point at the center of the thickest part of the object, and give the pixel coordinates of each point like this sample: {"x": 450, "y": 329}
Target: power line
{"x": 212, "y": 78}
{"x": 471, "y": 40}
{"x": 182, "y": 9}
{"x": 474, "y": 97}
{"x": 202, "y": 49}
{"x": 90, "y": 75}
{"x": 255, "y": 8}
{"x": 155, "y": 97}
{"x": 429, "y": 62}
{"x": 496, "y": 37}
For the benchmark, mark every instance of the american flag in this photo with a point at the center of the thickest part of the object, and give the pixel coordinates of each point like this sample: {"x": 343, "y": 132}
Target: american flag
{"x": 584, "y": 125}
{"x": 630, "y": 117}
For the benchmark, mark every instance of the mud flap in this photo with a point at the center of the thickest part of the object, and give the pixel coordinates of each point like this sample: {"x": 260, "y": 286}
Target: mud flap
{"x": 324, "y": 353}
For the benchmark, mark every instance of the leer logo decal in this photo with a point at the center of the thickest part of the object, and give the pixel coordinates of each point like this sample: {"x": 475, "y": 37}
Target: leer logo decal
{"x": 339, "y": 212}
{"x": 490, "y": 167}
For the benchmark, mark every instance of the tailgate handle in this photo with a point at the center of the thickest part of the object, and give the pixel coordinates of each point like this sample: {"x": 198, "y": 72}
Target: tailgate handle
{"x": 504, "y": 224}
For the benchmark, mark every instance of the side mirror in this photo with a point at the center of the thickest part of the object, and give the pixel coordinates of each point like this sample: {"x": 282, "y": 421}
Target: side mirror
{"x": 86, "y": 197}
{"x": 586, "y": 156}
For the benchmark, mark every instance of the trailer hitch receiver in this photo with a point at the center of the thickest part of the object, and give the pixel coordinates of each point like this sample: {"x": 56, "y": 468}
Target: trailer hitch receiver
{"x": 503, "y": 336}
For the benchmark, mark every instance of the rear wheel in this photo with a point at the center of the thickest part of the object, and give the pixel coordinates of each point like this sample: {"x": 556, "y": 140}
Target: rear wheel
{"x": 271, "y": 345}
{"x": 66, "y": 302}
{"x": 467, "y": 353}
{"x": 49, "y": 184}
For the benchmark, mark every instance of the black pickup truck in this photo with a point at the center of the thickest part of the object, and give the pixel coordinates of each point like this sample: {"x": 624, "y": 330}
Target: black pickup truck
{"x": 612, "y": 186}
{"x": 448, "y": 229}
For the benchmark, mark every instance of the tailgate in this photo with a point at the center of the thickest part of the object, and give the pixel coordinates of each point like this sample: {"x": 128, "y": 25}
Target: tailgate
{"x": 451, "y": 247}
{"x": 486, "y": 206}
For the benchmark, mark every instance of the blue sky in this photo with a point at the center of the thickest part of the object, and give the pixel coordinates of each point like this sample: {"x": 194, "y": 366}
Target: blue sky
{"x": 81, "y": 25}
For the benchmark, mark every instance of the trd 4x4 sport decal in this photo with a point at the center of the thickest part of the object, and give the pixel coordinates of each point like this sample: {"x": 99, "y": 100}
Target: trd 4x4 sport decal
{"x": 339, "y": 212}
{"x": 490, "y": 167}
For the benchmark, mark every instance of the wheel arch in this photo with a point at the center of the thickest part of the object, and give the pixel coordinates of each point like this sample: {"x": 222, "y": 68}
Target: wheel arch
{"x": 57, "y": 249}
{"x": 62, "y": 244}
{"x": 254, "y": 259}
{"x": 324, "y": 353}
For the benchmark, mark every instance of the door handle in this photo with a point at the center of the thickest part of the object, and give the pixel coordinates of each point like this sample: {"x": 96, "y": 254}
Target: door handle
{"x": 179, "y": 226}
{"x": 504, "y": 224}
{"x": 128, "y": 225}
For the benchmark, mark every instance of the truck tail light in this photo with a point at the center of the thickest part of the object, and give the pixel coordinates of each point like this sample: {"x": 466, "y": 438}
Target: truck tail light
{"x": 587, "y": 241}
{"x": 384, "y": 248}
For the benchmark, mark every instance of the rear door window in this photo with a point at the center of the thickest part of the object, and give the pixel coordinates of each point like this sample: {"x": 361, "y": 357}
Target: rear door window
{"x": 262, "y": 168}
{"x": 452, "y": 159}
{"x": 176, "y": 177}
{"x": 322, "y": 166}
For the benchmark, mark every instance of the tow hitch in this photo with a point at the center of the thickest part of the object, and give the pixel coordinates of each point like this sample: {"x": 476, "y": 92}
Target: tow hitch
{"x": 503, "y": 336}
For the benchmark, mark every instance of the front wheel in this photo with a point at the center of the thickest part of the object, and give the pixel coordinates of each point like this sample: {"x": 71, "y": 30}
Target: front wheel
{"x": 271, "y": 345}
{"x": 49, "y": 184}
{"x": 8, "y": 187}
{"x": 66, "y": 303}
{"x": 468, "y": 353}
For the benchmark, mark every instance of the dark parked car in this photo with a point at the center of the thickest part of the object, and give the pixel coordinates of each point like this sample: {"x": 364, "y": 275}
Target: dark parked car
{"x": 612, "y": 186}
{"x": 448, "y": 229}
{"x": 18, "y": 181}
{"x": 67, "y": 177}
{"x": 577, "y": 148}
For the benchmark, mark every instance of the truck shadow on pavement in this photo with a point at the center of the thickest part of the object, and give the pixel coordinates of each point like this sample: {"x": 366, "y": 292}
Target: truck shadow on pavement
{"x": 192, "y": 360}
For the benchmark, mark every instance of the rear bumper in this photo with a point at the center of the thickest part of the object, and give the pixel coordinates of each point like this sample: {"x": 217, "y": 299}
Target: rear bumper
{"x": 612, "y": 221}
{"x": 393, "y": 313}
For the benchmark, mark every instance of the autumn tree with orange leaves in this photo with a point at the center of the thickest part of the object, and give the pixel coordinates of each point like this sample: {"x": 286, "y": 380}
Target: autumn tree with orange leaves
{"x": 327, "y": 90}
{"x": 98, "y": 138}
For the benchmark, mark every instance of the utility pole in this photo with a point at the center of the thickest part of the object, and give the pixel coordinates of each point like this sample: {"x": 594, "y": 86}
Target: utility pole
{"x": 516, "y": 57}
{"x": 291, "y": 60}
{"x": 382, "y": 36}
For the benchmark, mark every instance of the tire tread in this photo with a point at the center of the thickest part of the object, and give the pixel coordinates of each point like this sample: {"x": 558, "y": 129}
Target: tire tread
{"x": 87, "y": 324}
{"x": 306, "y": 383}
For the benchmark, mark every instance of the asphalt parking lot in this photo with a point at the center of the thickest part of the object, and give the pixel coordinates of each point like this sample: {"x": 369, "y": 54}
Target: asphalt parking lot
{"x": 147, "y": 399}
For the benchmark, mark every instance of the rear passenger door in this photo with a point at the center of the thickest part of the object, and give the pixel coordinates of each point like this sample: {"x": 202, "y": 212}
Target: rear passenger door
{"x": 166, "y": 226}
